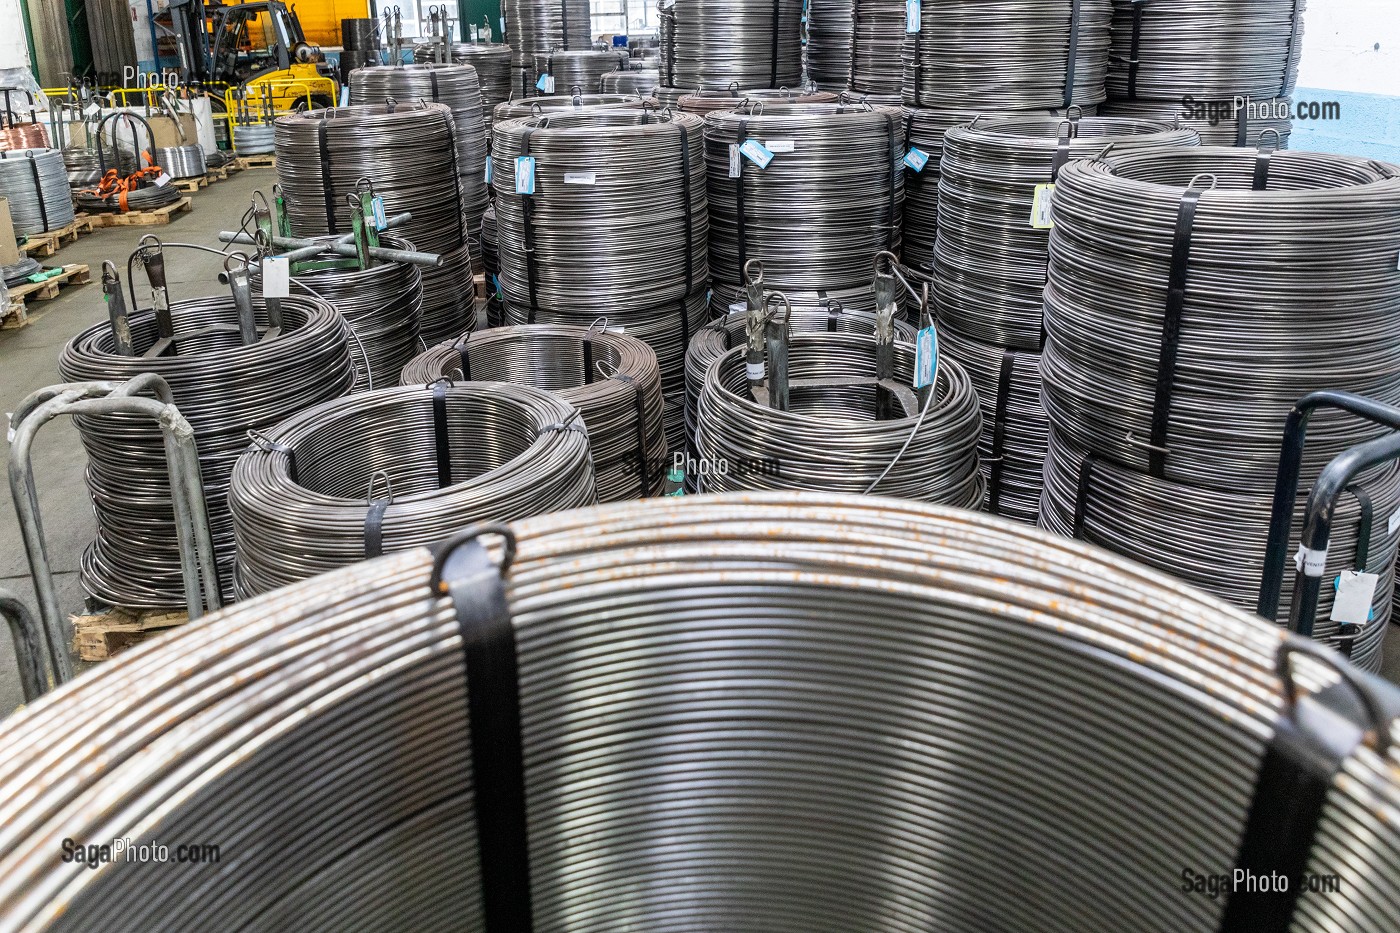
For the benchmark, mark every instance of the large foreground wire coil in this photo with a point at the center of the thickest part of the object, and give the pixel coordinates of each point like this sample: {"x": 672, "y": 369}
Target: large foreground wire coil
{"x": 998, "y": 55}
{"x": 830, "y": 439}
{"x": 818, "y": 213}
{"x": 35, "y": 182}
{"x": 761, "y": 714}
{"x": 307, "y": 494}
{"x": 611, "y": 378}
{"x": 713, "y": 43}
{"x": 224, "y": 389}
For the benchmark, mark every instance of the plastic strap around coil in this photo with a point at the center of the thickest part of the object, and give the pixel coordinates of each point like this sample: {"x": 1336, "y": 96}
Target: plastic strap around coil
{"x": 39, "y": 193}
{"x": 1261, "y": 169}
{"x": 896, "y": 170}
{"x": 1139, "y": 7}
{"x": 1074, "y": 23}
{"x": 374, "y": 527}
{"x": 855, "y": 32}
{"x": 833, "y": 310}
{"x": 440, "y": 441}
{"x": 998, "y": 458}
{"x": 685, "y": 207}
{"x": 1081, "y": 494}
{"x": 433, "y": 80}
{"x": 564, "y": 21}
{"x": 739, "y": 197}
{"x": 1242, "y": 127}
{"x": 777, "y": 24}
{"x": 327, "y": 187}
{"x": 640, "y": 404}
{"x": 464, "y": 573}
{"x": 527, "y": 216}
{"x": 1060, "y": 159}
{"x": 461, "y": 347}
{"x": 1171, "y": 329}
{"x": 588, "y": 358}
{"x": 261, "y": 442}
{"x": 918, "y": 65}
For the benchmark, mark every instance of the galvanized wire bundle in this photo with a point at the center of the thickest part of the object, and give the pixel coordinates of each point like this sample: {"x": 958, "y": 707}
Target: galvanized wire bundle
{"x": 492, "y": 64}
{"x": 224, "y": 389}
{"x": 857, "y": 44}
{"x": 611, "y": 378}
{"x": 35, "y": 181}
{"x": 537, "y": 106}
{"x": 989, "y": 264}
{"x": 1008, "y": 54}
{"x": 1217, "y": 122}
{"x": 533, "y": 27}
{"x": 1215, "y": 538}
{"x": 495, "y": 307}
{"x": 827, "y": 203}
{"x": 830, "y": 439}
{"x": 711, "y": 43}
{"x": 453, "y": 85}
{"x": 1166, "y": 50}
{"x": 449, "y": 295}
{"x": 83, "y": 166}
{"x": 735, "y": 714}
{"x": 581, "y": 68}
{"x": 407, "y": 151}
{"x": 254, "y": 139}
{"x": 703, "y": 102}
{"x": 1263, "y": 322}
{"x": 383, "y": 306}
{"x": 181, "y": 161}
{"x": 638, "y": 81}
{"x": 301, "y": 494}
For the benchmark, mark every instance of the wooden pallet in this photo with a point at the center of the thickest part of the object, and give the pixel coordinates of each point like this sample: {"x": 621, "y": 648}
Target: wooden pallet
{"x": 17, "y": 311}
{"x": 265, "y": 160}
{"x": 46, "y": 244}
{"x": 98, "y": 637}
{"x": 191, "y": 185}
{"x": 218, "y": 173}
{"x": 160, "y": 215}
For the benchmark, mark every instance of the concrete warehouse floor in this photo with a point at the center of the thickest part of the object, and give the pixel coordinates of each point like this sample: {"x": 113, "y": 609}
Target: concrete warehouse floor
{"x": 28, "y": 361}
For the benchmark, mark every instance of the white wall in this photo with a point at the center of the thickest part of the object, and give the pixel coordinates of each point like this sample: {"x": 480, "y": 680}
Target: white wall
{"x": 14, "y": 53}
{"x": 1351, "y": 45}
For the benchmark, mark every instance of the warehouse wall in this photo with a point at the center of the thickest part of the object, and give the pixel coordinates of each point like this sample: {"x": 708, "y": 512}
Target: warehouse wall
{"x": 1351, "y": 55}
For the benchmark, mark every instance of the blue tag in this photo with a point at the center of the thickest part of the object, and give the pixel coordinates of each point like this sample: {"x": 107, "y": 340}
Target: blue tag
{"x": 524, "y": 174}
{"x": 916, "y": 159}
{"x": 619, "y": 42}
{"x": 503, "y": 28}
{"x": 925, "y": 358}
{"x": 913, "y": 15}
{"x": 545, "y": 84}
{"x": 488, "y": 170}
{"x": 345, "y": 96}
{"x": 377, "y": 205}
{"x": 756, "y": 152}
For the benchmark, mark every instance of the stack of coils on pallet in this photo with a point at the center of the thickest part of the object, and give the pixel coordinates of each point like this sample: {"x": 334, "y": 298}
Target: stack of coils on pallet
{"x": 581, "y": 68}
{"x": 629, "y": 82}
{"x": 224, "y": 389}
{"x": 1172, "y": 360}
{"x": 495, "y": 308}
{"x": 713, "y": 43}
{"x": 254, "y": 139}
{"x": 615, "y": 227}
{"x": 703, "y": 102}
{"x": 534, "y": 27}
{"x": 181, "y": 161}
{"x": 359, "y": 45}
{"x": 819, "y": 212}
{"x": 408, "y": 152}
{"x": 1203, "y": 60}
{"x": 856, "y": 45}
{"x": 400, "y": 468}
{"x": 830, "y": 437}
{"x": 612, "y": 379}
{"x": 739, "y": 714}
{"x": 35, "y": 181}
{"x": 989, "y": 274}
{"x": 453, "y": 85}
{"x": 84, "y": 167}
{"x": 383, "y": 305}
{"x": 538, "y": 106}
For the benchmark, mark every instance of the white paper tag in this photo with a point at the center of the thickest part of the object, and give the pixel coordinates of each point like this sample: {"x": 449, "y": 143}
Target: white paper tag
{"x": 913, "y": 15}
{"x": 546, "y": 84}
{"x": 1355, "y": 591}
{"x": 580, "y": 178}
{"x": 739, "y": 307}
{"x": 916, "y": 159}
{"x": 756, "y": 152}
{"x": 10, "y": 429}
{"x": 755, "y": 370}
{"x": 524, "y": 174}
{"x": 276, "y": 277}
{"x": 1042, "y": 208}
{"x": 345, "y": 96}
{"x": 476, "y": 34}
{"x": 734, "y": 166}
{"x": 925, "y": 358}
{"x": 780, "y": 145}
{"x": 1394, "y": 523}
{"x": 92, "y": 109}
{"x": 162, "y": 180}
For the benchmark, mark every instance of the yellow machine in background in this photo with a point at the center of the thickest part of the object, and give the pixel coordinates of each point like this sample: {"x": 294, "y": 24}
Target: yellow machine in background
{"x": 261, "y": 45}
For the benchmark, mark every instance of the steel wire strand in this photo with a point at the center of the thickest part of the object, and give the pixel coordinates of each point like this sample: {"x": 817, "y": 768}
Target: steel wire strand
{"x": 456, "y": 86}
{"x": 181, "y": 161}
{"x": 224, "y": 389}
{"x": 1215, "y": 538}
{"x": 737, "y": 713}
{"x": 703, "y": 102}
{"x": 638, "y": 81}
{"x": 619, "y": 397}
{"x": 826, "y": 204}
{"x": 581, "y": 68}
{"x": 35, "y": 182}
{"x": 713, "y": 43}
{"x": 254, "y": 139}
{"x": 1007, "y": 54}
{"x": 1205, "y": 50}
{"x": 528, "y": 107}
{"x": 511, "y": 450}
{"x": 990, "y": 260}
{"x": 1217, "y": 122}
{"x": 1288, "y": 290}
{"x": 830, "y": 439}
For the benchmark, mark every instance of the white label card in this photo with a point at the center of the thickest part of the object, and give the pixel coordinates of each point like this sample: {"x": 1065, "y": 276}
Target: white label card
{"x": 739, "y": 307}
{"x": 780, "y": 145}
{"x": 1394, "y": 524}
{"x": 546, "y": 84}
{"x": 580, "y": 178}
{"x": 1355, "y": 591}
{"x": 524, "y": 174}
{"x": 734, "y": 166}
{"x": 1042, "y": 208}
{"x": 276, "y": 277}
{"x": 162, "y": 180}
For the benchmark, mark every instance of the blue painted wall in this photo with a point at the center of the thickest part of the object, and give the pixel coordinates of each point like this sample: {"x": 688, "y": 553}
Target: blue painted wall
{"x": 1369, "y": 125}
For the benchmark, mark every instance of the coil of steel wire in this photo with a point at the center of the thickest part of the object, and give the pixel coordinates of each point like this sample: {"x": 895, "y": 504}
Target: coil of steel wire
{"x": 17, "y": 272}
{"x": 713, "y": 43}
{"x": 581, "y": 68}
{"x": 254, "y": 139}
{"x": 83, "y": 166}
{"x": 449, "y": 296}
{"x": 1215, "y": 538}
{"x": 534, "y": 27}
{"x": 536, "y": 106}
{"x": 383, "y": 305}
{"x": 998, "y": 55}
{"x": 453, "y": 85}
{"x": 612, "y": 379}
{"x": 924, "y": 129}
{"x": 989, "y": 264}
{"x": 1167, "y": 50}
{"x": 1217, "y": 122}
{"x": 670, "y": 96}
{"x": 639, "y": 82}
{"x": 856, "y": 45}
{"x": 407, "y": 151}
{"x": 829, "y": 439}
{"x": 794, "y": 692}
{"x": 703, "y": 102}
{"x": 181, "y": 161}
{"x": 300, "y": 495}
{"x": 1263, "y": 321}
{"x": 827, "y": 203}
{"x": 35, "y": 181}
{"x": 224, "y": 389}
{"x": 495, "y": 307}
{"x": 116, "y": 195}
{"x": 830, "y": 24}
{"x": 23, "y": 135}
{"x": 492, "y": 64}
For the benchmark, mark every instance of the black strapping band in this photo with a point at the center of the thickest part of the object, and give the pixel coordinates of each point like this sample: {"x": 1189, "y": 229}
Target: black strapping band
{"x": 896, "y": 170}
{"x": 685, "y": 207}
{"x": 1139, "y": 6}
{"x": 588, "y": 358}
{"x": 374, "y": 527}
{"x": 1349, "y": 631}
{"x": 564, "y": 21}
{"x": 640, "y": 404}
{"x": 739, "y": 196}
{"x": 777, "y": 25}
{"x": 1171, "y": 329}
{"x": 1242, "y": 126}
{"x": 1060, "y": 159}
{"x": 39, "y": 193}
{"x": 833, "y": 310}
{"x": 1008, "y": 367}
{"x": 327, "y": 186}
{"x": 461, "y": 348}
{"x": 1081, "y": 494}
{"x": 1074, "y": 21}
{"x": 433, "y": 80}
{"x": 1261, "y": 170}
{"x": 527, "y": 216}
{"x": 444, "y": 449}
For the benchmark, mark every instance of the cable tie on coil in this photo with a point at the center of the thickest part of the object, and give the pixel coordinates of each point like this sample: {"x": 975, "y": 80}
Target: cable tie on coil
{"x": 263, "y": 442}
{"x": 440, "y": 441}
{"x": 1081, "y": 494}
{"x": 1310, "y": 562}
{"x": 1135, "y": 47}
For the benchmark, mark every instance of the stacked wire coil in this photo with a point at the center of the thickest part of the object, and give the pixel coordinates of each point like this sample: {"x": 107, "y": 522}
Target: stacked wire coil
{"x": 995, "y": 55}
{"x": 757, "y": 719}
{"x": 453, "y": 85}
{"x": 640, "y": 81}
{"x": 924, "y": 129}
{"x": 302, "y": 493}
{"x": 537, "y": 106}
{"x": 612, "y": 379}
{"x": 383, "y": 306}
{"x": 181, "y": 161}
{"x": 703, "y": 102}
{"x": 492, "y": 64}
{"x": 35, "y": 181}
{"x": 224, "y": 389}
{"x": 713, "y": 43}
{"x": 83, "y": 166}
{"x": 1217, "y": 122}
{"x": 819, "y": 212}
{"x": 1189, "y": 427}
{"x": 581, "y": 68}
{"x": 856, "y": 45}
{"x": 449, "y": 295}
{"x": 536, "y": 27}
{"x": 27, "y": 135}
{"x": 254, "y": 139}
{"x": 495, "y": 307}
{"x": 829, "y": 439}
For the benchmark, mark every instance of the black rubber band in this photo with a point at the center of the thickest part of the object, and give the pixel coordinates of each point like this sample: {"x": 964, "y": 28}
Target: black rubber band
{"x": 527, "y": 216}
{"x": 739, "y": 197}
{"x": 374, "y": 527}
{"x": 1008, "y": 367}
{"x": 327, "y": 187}
{"x": 1139, "y": 6}
{"x": 1081, "y": 495}
{"x": 1072, "y": 61}
{"x": 685, "y": 207}
{"x": 588, "y": 358}
{"x": 440, "y": 441}
{"x": 777, "y": 22}
{"x": 1171, "y": 330}
{"x": 1261, "y": 170}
